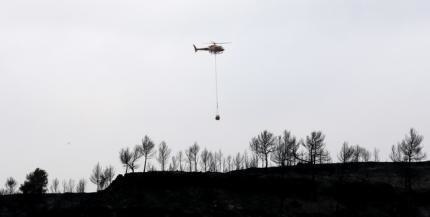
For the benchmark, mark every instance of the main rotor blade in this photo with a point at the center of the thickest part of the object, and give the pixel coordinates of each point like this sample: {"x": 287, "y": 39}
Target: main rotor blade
{"x": 218, "y": 43}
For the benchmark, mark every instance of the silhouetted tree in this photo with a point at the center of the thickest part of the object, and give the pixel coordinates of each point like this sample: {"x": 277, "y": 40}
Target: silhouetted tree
{"x": 68, "y": 186}
{"x": 263, "y": 145}
{"x": 292, "y": 147}
{"x": 190, "y": 160}
{"x": 147, "y": 150}
{"x": 64, "y": 184}
{"x": 163, "y": 155}
{"x": 315, "y": 149}
{"x": 80, "y": 188}
{"x": 237, "y": 161}
{"x": 360, "y": 154}
{"x": 10, "y": 185}
{"x": 173, "y": 166}
{"x": 396, "y": 153}
{"x": 204, "y": 156}
{"x": 280, "y": 153}
{"x": 411, "y": 148}
{"x": 218, "y": 160}
{"x": 229, "y": 161}
{"x": 365, "y": 156}
{"x": 346, "y": 153}
{"x": 192, "y": 155}
{"x": 35, "y": 182}
{"x": 407, "y": 151}
{"x": 129, "y": 158}
{"x": 96, "y": 176}
{"x": 224, "y": 165}
{"x": 253, "y": 162}
{"x": 285, "y": 149}
{"x": 180, "y": 158}
{"x": 107, "y": 177}
{"x": 254, "y": 146}
{"x": 375, "y": 155}
{"x": 246, "y": 160}
{"x": 125, "y": 157}
{"x": 212, "y": 162}
{"x": 54, "y": 188}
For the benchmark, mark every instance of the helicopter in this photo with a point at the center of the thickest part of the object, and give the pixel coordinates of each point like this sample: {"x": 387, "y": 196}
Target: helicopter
{"x": 214, "y": 48}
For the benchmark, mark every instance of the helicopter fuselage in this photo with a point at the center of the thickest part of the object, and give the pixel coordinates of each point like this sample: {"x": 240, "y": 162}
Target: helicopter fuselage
{"x": 214, "y": 49}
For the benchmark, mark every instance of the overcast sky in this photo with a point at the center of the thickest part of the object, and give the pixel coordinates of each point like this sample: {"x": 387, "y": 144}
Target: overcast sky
{"x": 81, "y": 79}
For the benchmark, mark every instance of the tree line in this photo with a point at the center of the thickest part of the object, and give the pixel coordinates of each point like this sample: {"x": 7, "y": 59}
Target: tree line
{"x": 265, "y": 149}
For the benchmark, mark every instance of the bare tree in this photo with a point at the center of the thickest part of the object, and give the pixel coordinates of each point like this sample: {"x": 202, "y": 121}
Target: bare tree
{"x": 246, "y": 160}
{"x": 125, "y": 157}
{"x": 129, "y": 158}
{"x": 70, "y": 185}
{"x": 80, "y": 188}
{"x": 408, "y": 150}
{"x": 229, "y": 161}
{"x": 365, "y": 156}
{"x": 263, "y": 145}
{"x": 147, "y": 150}
{"x": 253, "y": 162}
{"x": 64, "y": 184}
{"x": 174, "y": 164}
{"x": 96, "y": 176}
{"x": 218, "y": 160}
{"x": 237, "y": 161}
{"x": 396, "y": 153}
{"x": 180, "y": 158}
{"x": 255, "y": 148}
{"x": 346, "y": 153}
{"x": 360, "y": 154}
{"x": 285, "y": 149}
{"x": 280, "y": 153}
{"x": 315, "y": 149}
{"x": 375, "y": 155}
{"x": 192, "y": 155}
{"x": 163, "y": 154}
{"x": 10, "y": 185}
{"x": 212, "y": 162}
{"x": 204, "y": 156}
{"x": 107, "y": 177}
{"x": 411, "y": 148}
{"x": 190, "y": 160}
{"x": 292, "y": 147}
{"x": 224, "y": 165}
{"x": 54, "y": 188}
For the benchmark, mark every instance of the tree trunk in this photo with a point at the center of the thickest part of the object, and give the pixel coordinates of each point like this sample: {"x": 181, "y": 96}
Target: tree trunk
{"x": 267, "y": 162}
{"x": 144, "y": 165}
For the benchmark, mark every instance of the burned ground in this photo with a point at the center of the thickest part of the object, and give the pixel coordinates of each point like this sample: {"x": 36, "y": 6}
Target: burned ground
{"x": 355, "y": 189}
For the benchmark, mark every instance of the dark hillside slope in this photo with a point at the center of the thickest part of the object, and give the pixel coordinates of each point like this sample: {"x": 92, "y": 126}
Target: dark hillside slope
{"x": 365, "y": 189}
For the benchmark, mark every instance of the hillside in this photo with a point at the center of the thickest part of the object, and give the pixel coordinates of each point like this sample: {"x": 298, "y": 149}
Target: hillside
{"x": 361, "y": 189}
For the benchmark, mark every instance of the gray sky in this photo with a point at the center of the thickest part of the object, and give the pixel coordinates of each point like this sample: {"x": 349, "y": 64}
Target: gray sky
{"x": 101, "y": 74}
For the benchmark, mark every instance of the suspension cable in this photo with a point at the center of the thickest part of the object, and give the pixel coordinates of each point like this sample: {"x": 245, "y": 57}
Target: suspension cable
{"x": 216, "y": 87}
